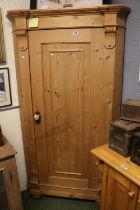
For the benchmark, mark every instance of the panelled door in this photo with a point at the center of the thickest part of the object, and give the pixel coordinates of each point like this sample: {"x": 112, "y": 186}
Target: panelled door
{"x": 60, "y": 77}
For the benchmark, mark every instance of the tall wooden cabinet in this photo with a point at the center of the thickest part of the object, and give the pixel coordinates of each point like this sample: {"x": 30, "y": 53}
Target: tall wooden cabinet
{"x": 69, "y": 70}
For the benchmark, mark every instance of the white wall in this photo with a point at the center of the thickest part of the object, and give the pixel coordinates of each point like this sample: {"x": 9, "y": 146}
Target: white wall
{"x": 10, "y": 120}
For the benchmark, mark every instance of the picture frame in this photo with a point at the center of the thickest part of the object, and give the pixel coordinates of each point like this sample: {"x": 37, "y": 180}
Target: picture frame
{"x": 106, "y": 1}
{"x": 2, "y": 44}
{"x": 33, "y": 4}
{"x": 49, "y": 4}
{"x": 5, "y": 89}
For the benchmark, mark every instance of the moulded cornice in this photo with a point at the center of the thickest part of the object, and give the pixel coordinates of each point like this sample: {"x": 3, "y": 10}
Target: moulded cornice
{"x": 113, "y": 8}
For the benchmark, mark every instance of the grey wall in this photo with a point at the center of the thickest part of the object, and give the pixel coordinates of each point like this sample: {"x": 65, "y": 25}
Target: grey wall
{"x": 131, "y": 84}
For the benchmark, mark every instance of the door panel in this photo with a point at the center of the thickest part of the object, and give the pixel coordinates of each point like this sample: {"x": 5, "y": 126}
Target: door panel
{"x": 119, "y": 191}
{"x": 60, "y": 79}
{"x": 64, "y": 96}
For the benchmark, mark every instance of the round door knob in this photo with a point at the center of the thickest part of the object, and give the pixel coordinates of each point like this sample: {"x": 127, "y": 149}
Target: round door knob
{"x": 131, "y": 194}
{"x": 37, "y": 117}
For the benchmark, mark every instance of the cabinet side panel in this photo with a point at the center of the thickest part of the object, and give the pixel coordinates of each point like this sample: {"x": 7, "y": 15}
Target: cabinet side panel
{"x": 24, "y": 92}
{"x": 118, "y": 74}
{"x": 96, "y": 100}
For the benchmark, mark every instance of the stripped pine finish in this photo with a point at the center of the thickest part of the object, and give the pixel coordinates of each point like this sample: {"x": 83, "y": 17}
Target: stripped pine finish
{"x": 69, "y": 80}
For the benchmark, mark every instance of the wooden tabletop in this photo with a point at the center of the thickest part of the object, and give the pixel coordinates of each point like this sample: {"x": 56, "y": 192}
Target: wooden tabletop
{"x": 119, "y": 163}
{"x": 6, "y": 151}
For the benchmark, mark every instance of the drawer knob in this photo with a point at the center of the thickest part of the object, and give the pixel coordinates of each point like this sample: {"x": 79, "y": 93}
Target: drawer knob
{"x": 131, "y": 194}
{"x": 98, "y": 163}
{"x": 139, "y": 201}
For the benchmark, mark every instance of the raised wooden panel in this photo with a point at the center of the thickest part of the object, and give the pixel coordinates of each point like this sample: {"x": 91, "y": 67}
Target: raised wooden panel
{"x": 64, "y": 107}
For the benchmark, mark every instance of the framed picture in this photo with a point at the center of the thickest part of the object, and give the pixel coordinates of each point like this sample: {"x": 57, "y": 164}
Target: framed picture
{"x": 106, "y": 1}
{"x": 5, "y": 91}
{"x": 33, "y": 4}
{"x": 2, "y": 45}
{"x": 48, "y": 4}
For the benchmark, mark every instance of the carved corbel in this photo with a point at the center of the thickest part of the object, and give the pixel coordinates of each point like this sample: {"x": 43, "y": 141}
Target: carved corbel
{"x": 110, "y": 36}
{"x": 22, "y": 43}
{"x": 110, "y": 30}
{"x": 22, "y": 40}
{"x": 20, "y": 26}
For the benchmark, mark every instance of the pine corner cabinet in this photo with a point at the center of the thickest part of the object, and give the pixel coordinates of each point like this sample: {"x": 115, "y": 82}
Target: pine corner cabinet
{"x": 69, "y": 71}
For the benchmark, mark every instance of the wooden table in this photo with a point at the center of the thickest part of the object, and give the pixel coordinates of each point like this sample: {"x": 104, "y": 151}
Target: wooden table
{"x": 121, "y": 181}
{"x": 10, "y": 195}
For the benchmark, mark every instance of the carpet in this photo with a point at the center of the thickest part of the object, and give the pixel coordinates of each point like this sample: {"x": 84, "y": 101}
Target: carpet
{"x": 56, "y": 203}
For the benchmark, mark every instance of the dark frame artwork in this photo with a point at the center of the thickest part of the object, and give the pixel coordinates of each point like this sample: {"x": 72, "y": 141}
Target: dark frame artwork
{"x": 33, "y": 4}
{"x": 5, "y": 89}
{"x": 2, "y": 45}
{"x": 107, "y": 1}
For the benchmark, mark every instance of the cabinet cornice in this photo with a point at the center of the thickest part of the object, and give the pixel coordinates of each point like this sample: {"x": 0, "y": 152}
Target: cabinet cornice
{"x": 115, "y": 8}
